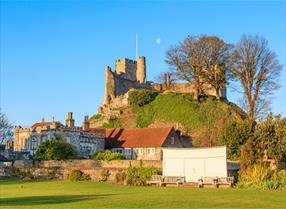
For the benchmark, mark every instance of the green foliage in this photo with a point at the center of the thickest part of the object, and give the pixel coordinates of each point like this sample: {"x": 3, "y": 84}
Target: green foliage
{"x": 95, "y": 117}
{"x": 207, "y": 116}
{"x": 260, "y": 176}
{"x": 77, "y": 175}
{"x": 107, "y": 155}
{"x": 141, "y": 97}
{"x": 55, "y": 149}
{"x": 113, "y": 123}
{"x": 271, "y": 133}
{"x": 234, "y": 135}
{"x": 137, "y": 176}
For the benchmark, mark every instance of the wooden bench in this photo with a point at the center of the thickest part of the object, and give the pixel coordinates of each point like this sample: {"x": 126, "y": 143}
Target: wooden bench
{"x": 215, "y": 181}
{"x": 225, "y": 181}
{"x": 155, "y": 179}
{"x": 177, "y": 180}
{"x": 165, "y": 180}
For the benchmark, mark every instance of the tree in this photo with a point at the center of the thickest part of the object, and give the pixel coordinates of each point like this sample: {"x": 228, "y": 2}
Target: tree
{"x": 216, "y": 59}
{"x": 202, "y": 59}
{"x": 167, "y": 77}
{"x": 6, "y": 131}
{"x": 55, "y": 149}
{"x": 234, "y": 135}
{"x": 257, "y": 69}
{"x": 271, "y": 133}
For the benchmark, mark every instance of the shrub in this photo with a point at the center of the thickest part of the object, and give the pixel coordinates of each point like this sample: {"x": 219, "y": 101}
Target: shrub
{"x": 234, "y": 135}
{"x": 260, "y": 176}
{"x": 112, "y": 123}
{"x": 95, "y": 117}
{"x": 107, "y": 155}
{"x": 55, "y": 149}
{"x": 77, "y": 175}
{"x": 120, "y": 177}
{"x": 104, "y": 174}
{"x": 141, "y": 97}
{"x": 137, "y": 176}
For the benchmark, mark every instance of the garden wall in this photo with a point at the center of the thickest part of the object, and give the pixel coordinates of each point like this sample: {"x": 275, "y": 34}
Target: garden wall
{"x": 98, "y": 170}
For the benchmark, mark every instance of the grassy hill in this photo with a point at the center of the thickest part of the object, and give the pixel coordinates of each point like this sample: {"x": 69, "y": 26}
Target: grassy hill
{"x": 201, "y": 120}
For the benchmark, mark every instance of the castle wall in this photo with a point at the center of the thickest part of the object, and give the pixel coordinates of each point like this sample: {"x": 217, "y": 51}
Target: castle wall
{"x": 109, "y": 86}
{"x": 187, "y": 88}
{"x": 122, "y": 85}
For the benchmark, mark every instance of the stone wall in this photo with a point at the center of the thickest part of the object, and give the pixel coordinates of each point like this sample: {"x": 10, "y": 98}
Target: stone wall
{"x": 60, "y": 169}
{"x": 187, "y": 88}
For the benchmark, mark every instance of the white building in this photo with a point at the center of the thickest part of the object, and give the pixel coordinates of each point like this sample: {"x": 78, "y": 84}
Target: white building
{"x": 195, "y": 163}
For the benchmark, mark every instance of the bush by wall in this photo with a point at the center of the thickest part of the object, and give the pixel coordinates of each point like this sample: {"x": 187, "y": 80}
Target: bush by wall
{"x": 77, "y": 175}
{"x": 55, "y": 149}
{"x": 137, "y": 176}
{"x": 107, "y": 155}
{"x": 141, "y": 97}
{"x": 260, "y": 176}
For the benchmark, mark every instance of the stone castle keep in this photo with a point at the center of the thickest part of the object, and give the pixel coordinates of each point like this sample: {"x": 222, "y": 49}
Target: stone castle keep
{"x": 131, "y": 74}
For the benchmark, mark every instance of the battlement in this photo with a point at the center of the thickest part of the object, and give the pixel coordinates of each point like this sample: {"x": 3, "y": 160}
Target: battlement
{"x": 133, "y": 70}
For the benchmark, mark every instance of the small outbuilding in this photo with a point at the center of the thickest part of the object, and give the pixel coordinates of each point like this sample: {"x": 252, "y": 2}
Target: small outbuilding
{"x": 195, "y": 163}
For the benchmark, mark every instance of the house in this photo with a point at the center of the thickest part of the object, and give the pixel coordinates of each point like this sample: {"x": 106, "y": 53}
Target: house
{"x": 142, "y": 143}
{"x": 86, "y": 140}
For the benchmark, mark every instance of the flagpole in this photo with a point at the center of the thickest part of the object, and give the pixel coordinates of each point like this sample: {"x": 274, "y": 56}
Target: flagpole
{"x": 136, "y": 46}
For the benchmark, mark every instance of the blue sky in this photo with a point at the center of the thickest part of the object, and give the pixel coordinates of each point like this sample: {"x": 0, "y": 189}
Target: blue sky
{"x": 53, "y": 53}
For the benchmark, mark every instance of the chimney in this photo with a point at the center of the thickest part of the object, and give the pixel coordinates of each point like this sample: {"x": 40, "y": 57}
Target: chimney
{"x": 69, "y": 120}
{"x": 85, "y": 125}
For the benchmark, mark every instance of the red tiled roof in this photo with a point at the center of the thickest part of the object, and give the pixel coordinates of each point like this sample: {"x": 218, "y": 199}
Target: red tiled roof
{"x": 139, "y": 137}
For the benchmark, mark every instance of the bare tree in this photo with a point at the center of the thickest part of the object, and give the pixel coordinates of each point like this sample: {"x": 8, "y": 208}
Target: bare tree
{"x": 217, "y": 56}
{"x": 186, "y": 60}
{"x": 257, "y": 69}
{"x": 200, "y": 60}
{"x": 167, "y": 77}
{"x": 5, "y": 128}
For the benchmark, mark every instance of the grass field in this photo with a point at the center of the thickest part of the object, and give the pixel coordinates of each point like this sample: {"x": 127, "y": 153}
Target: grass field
{"x": 64, "y": 194}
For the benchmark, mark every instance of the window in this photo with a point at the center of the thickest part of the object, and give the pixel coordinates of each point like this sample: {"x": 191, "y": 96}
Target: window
{"x": 127, "y": 151}
{"x": 172, "y": 140}
{"x": 140, "y": 151}
{"x": 117, "y": 150}
{"x": 151, "y": 151}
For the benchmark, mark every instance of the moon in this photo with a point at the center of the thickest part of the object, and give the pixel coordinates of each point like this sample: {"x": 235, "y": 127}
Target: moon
{"x": 158, "y": 40}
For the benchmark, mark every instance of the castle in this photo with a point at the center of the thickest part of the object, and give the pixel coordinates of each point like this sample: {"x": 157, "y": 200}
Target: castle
{"x": 131, "y": 74}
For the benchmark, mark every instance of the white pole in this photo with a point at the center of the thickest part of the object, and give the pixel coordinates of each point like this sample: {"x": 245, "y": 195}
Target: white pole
{"x": 136, "y": 46}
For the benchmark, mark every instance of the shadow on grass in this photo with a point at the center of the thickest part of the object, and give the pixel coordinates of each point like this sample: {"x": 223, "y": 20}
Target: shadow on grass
{"x": 47, "y": 200}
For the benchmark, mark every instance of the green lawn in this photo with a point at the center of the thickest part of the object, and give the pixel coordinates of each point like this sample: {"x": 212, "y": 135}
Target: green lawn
{"x": 64, "y": 194}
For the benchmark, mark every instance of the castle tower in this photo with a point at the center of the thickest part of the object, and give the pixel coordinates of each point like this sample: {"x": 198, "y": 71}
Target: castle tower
{"x": 69, "y": 120}
{"x": 126, "y": 68}
{"x": 109, "y": 93}
{"x": 85, "y": 125}
{"x": 17, "y": 146}
{"x": 141, "y": 69}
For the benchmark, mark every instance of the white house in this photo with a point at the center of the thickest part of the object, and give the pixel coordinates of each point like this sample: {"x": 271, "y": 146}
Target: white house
{"x": 195, "y": 163}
